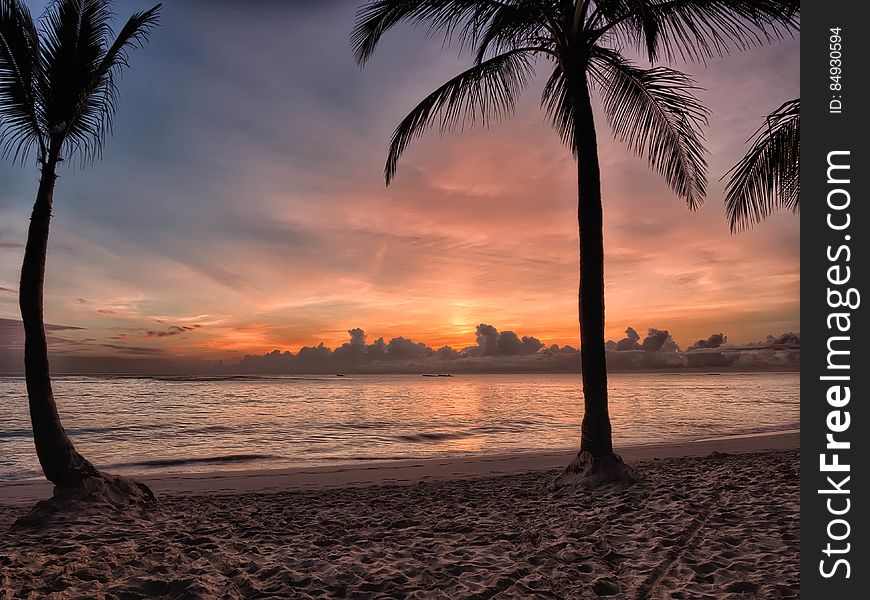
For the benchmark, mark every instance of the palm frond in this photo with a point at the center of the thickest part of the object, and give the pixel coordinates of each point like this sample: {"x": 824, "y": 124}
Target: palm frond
{"x": 655, "y": 112}
{"x": 80, "y": 93}
{"x": 698, "y": 30}
{"x": 20, "y": 128}
{"x": 768, "y": 177}
{"x": 74, "y": 34}
{"x": 134, "y": 34}
{"x": 462, "y": 19}
{"x": 522, "y": 23}
{"x": 485, "y": 92}
{"x": 630, "y": 22}
{"x": 104, "y": 89}
{"x": 559, "y": 107}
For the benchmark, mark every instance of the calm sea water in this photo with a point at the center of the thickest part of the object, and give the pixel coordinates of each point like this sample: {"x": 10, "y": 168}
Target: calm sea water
{"x": 138, "y": 425}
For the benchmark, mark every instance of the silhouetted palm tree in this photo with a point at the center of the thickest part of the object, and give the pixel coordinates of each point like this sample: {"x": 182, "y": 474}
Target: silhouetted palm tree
{"x": 652, "y": 110}
{"x": 57, "y": 97}
{"x": 768, "y": 177}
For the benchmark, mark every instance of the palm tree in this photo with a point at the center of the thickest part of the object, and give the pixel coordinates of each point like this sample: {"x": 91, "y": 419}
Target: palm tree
{"x": 57, "y": 97}
{"x": 768, "y": 177}
{"x": 653, "y": 110}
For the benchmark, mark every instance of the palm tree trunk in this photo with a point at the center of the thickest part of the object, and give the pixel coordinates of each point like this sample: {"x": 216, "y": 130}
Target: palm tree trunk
{"x": 60, "y": 461}
{"x": 596, "y": 435}
{"x": 595, "y": 464}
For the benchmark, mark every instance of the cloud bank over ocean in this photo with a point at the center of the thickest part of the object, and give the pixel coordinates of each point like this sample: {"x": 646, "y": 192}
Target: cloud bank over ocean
{"x": 507, "y": 352}
{"x": 489, "y": 351}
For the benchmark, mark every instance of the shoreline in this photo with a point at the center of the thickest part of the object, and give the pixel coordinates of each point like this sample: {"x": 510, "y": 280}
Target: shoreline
{"x": 406, "y": 471}
{"x": 331, "y": 374}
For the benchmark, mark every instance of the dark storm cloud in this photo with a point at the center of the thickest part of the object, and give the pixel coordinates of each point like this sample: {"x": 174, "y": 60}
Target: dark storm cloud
{"x": 487, "y": 339}
{"x": 506, "y": 352}
{"x": 555, "y": 349}
{"x": 357, "y": 337}
{"x": 491, "y": 342}
{"x": 775, "y": 352}
{"x": 447, "y": 353}
{"x": 398, "y": 353}
{"x": 629, "y": 342}
{"x": 400, "y": 348}
{"x": 510, "y": 344}
{"x": 786, "y": 339}
{"x": 714, "y": 341}
{"x": 656, "y": 340}
{"x": 659, "y": 340}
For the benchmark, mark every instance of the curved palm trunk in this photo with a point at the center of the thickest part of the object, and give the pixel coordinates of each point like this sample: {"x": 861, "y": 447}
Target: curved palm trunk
{"x": 596, "y": 431}
{"x": 60, "y": 461}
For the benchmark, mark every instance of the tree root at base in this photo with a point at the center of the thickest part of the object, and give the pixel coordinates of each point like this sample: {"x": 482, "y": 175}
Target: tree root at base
{"x": 96, "y": 494}
{"x": 590, "y": 472}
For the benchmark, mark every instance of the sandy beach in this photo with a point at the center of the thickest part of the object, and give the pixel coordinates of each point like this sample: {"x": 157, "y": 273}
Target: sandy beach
{"x": 710, "y": 519}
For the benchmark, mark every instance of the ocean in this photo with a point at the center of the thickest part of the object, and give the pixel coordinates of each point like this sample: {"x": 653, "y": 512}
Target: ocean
{"x": 137, "y": 425}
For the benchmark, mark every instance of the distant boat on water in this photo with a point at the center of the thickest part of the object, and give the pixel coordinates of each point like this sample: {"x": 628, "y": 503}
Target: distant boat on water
{"x": 339, "y": 374}
{"x": 437, "y": 375}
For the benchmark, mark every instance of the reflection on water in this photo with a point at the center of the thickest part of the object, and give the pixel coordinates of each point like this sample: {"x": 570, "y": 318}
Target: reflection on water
{"x": 205, "y": 424}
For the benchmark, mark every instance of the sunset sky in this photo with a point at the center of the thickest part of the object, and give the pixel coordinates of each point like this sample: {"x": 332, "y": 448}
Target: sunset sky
{"x": 240, "y": 206}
